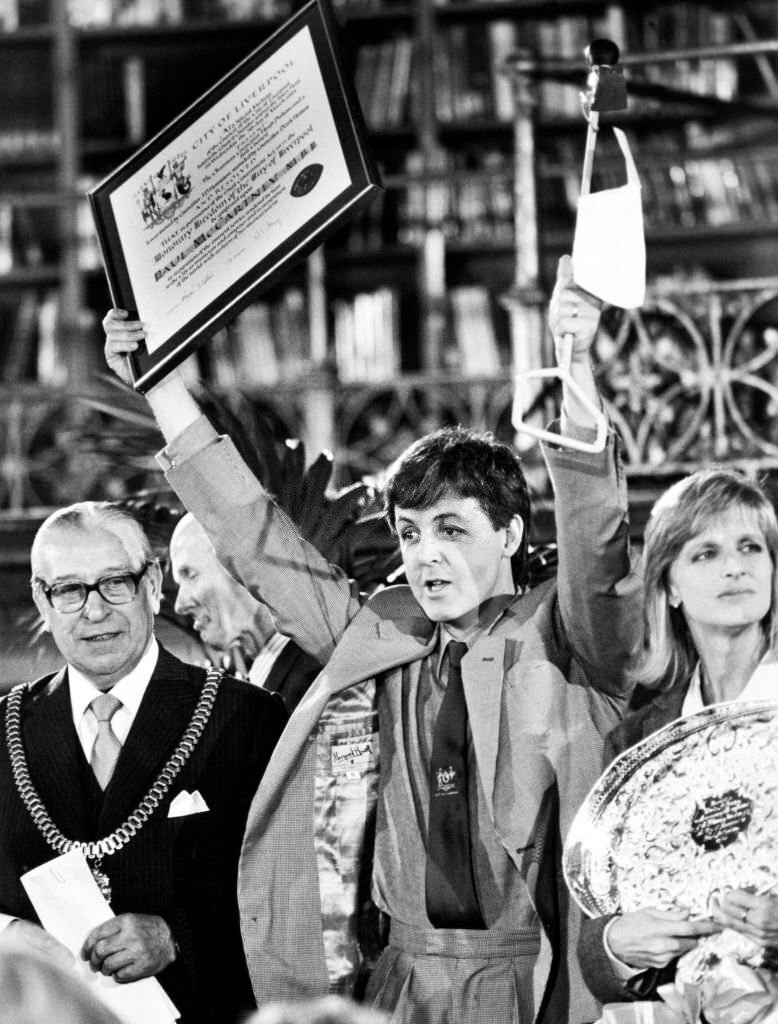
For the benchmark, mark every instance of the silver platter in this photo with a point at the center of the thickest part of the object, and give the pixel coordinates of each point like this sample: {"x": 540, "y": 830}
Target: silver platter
{"x": 686, "y": 813}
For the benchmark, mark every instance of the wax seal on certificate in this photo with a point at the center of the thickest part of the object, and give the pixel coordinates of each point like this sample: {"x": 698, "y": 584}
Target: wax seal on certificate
{"x": 306, "y": 179}
{"x": 688, "y": 812}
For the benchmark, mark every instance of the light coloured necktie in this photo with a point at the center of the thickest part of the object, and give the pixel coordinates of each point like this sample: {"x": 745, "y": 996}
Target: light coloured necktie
{"x": 107, "y": 747}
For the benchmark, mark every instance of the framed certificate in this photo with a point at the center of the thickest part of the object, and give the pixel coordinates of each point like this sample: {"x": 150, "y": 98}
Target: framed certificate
{"x": 241, "y": 185}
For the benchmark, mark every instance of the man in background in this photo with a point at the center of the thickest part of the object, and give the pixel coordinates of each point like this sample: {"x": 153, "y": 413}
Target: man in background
{"x": 231, "y": 622}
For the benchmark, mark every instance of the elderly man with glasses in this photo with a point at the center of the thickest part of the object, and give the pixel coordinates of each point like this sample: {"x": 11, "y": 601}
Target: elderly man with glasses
{"x": 145, "y": 763}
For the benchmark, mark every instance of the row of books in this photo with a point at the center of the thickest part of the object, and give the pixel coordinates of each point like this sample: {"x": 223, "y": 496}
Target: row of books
{"x": 472, "y": 82}
{"x": 680, "y": 26}
{"x": 383, "y": 78}
{"x": 30, "y": 143}
{"x": 15, "y": 14}
{"x": 468, "y": 68}
{"x": 367, "y": 335}
{"x": 473, "y": 200}
{"x": 713, "y": 191}
{"x": 469, "y": 63}
{"x": 30, "y": 234}
{"x": 688, "y": 188}
{"x": 475, "y": 204}
{"x": 32, "y": 349}
{"x": 266, "y": 343}
{"x": 471, "y": 197}
{"x": 479, "y": 333}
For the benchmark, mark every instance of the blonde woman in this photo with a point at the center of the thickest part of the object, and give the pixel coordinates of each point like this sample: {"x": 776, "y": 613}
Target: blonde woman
{"x": 711, "y": 550}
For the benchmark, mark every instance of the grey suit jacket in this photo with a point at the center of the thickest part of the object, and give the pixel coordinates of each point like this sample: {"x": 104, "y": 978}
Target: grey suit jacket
{"x": 543, "y": 687}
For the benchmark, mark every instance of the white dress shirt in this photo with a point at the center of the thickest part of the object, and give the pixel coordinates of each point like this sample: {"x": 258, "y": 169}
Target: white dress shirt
{"x": 129, "y": 691}
{"x": 265, "y": 659}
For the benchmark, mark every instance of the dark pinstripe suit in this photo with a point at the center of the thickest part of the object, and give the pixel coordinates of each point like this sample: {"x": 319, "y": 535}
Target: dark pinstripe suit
{"x": 182, "y": 868}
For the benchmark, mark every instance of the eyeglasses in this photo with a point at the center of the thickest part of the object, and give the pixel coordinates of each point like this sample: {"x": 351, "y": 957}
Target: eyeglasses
{"x": 119, "y": 588}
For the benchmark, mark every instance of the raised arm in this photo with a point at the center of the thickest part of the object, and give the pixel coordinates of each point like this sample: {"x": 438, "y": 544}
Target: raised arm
{"x": 600, "y": 593}
{"x": 173, "y": 406}
{"x": 310, "y": 600}
{"x": 575, "y": 314}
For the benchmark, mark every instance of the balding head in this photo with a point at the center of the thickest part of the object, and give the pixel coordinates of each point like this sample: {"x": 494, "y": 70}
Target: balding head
{"x": 224, "y": 612}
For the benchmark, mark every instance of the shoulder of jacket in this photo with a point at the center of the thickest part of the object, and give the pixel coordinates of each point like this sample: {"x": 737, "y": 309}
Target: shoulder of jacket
{"x": 35, "y": 688}
{"x": 242, "y": 692}
{"x": 388, "y": 599}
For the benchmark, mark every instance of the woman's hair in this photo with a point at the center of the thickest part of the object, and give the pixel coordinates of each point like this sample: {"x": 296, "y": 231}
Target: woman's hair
{"x": 35, "y": 989}
{"x": 684, "y": 511}
{"x": 471, "y": 465}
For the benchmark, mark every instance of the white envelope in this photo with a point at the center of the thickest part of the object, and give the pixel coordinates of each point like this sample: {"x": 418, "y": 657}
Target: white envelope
{"x": 609, "y": 247}
{"x": 69, "y": 905}
{"x": 187, "y": 803}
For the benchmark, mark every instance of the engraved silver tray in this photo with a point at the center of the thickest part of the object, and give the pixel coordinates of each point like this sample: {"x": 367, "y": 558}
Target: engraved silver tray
{"x": 688, "y": 812}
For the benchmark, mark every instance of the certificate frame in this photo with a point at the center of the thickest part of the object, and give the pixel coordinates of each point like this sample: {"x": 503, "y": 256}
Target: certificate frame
{"x": 236, "y": 189}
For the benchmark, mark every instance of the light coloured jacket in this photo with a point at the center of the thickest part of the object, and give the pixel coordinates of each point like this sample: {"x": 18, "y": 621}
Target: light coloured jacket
{"x": 543, "y": 687}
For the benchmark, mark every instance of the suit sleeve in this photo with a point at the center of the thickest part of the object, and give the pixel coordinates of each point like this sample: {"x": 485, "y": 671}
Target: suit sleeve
{"x": 599, "y": 975}
{"x": 600, "y": 592}
{"x": 597, "y": 970}
{"x": 310, "y": 600}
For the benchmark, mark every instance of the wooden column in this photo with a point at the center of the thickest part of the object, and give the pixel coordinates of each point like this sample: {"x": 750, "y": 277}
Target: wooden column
{"x": 525, "y": 300}
{"x": 70, "y": 332}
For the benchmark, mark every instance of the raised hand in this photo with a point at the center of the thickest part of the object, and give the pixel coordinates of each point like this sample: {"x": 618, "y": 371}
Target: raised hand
{"x": 122, "y": 337}
{"x": 572, "y": 311}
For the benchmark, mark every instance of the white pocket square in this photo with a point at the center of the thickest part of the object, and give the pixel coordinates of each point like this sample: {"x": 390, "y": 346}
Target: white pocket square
{"x": 187, "y": 803}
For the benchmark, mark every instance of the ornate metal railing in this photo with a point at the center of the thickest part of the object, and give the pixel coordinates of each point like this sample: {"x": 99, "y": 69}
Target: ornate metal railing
{"x": 693, "y": 375}
{"x": 690, "y": 377}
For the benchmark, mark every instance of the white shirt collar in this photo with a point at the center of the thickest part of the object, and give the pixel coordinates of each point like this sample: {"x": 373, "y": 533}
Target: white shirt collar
{"x": 763, "y": 685}
{"x": 266, "y": 658}
{"x": 129, "y": 690}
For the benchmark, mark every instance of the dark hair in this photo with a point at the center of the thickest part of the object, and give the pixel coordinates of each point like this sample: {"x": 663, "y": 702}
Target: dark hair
{"x": 470, "y": 464}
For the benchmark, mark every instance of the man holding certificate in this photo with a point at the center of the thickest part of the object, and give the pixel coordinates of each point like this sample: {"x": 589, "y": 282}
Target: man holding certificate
{"x": 493, "y": 745}
{"x": 143, "y": 764}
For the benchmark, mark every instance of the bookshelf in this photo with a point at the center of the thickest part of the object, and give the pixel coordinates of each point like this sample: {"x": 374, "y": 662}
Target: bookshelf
{"x": 415, "y": 313}
{"x": 703, "y": 117}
